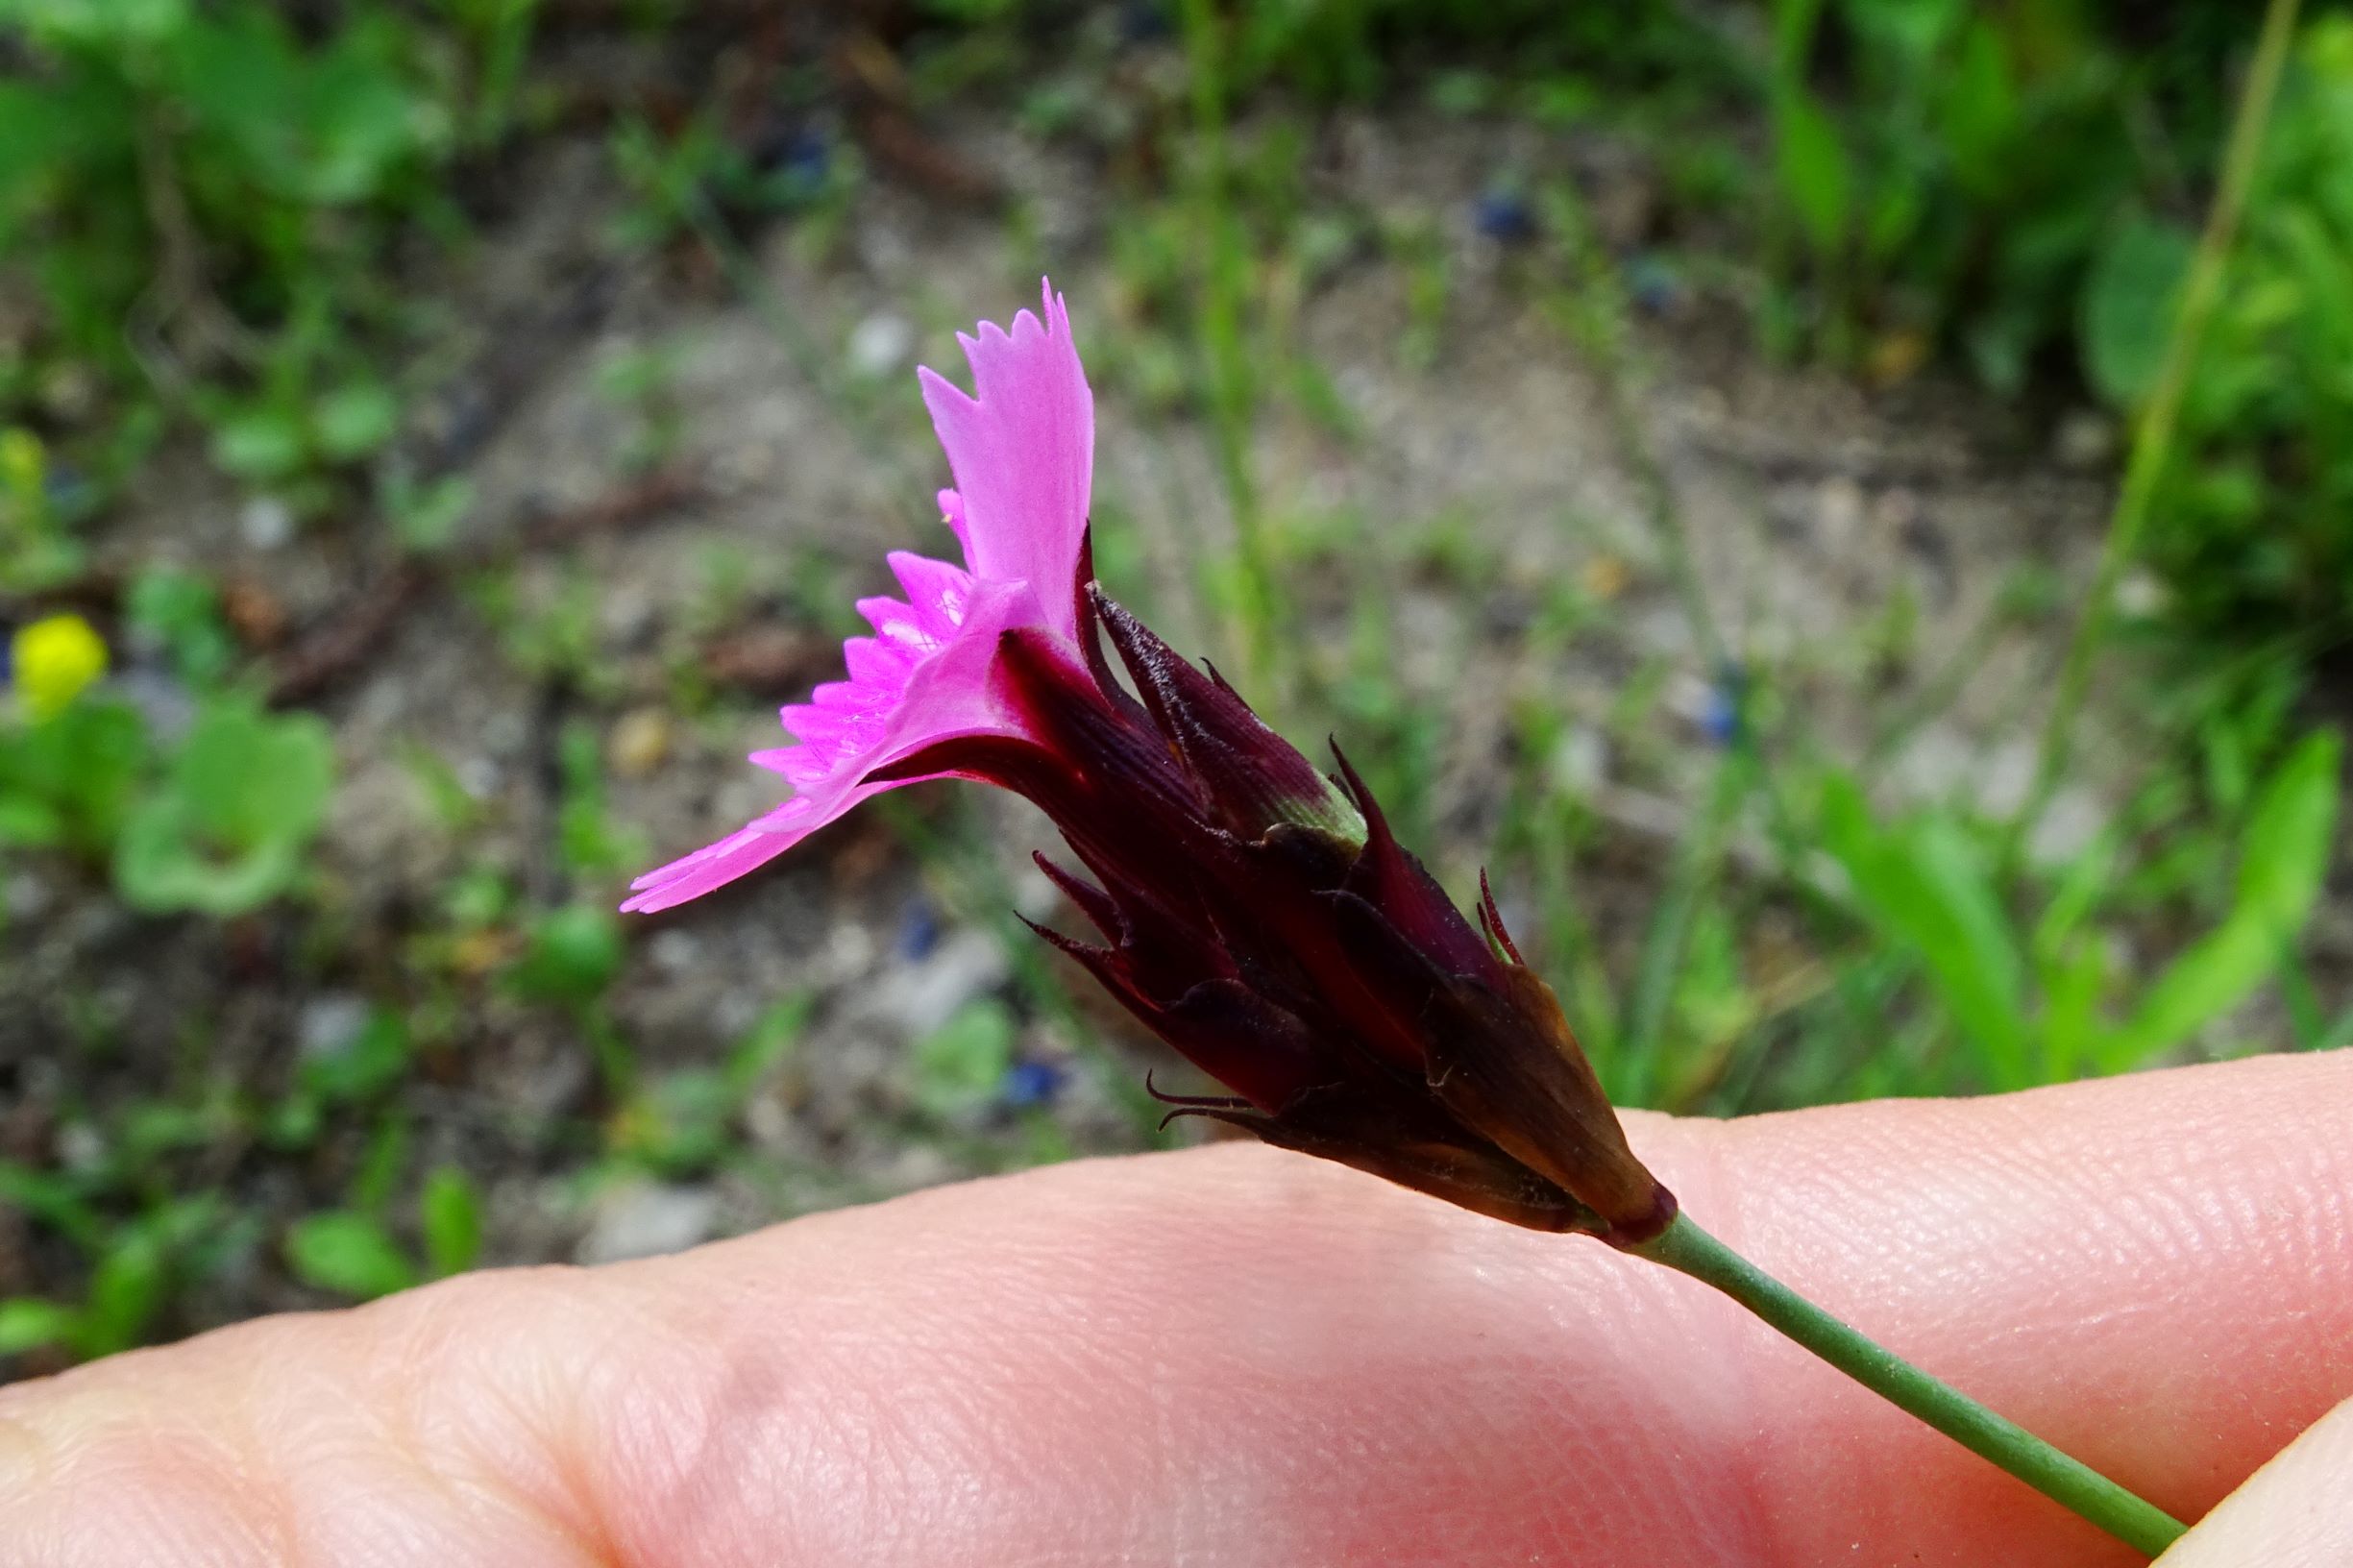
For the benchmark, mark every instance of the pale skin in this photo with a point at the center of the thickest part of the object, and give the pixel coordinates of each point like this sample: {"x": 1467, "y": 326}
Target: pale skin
{"x": 1236, "y": 1356}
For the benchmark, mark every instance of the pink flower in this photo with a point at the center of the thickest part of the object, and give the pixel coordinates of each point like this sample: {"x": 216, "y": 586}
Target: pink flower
{"x": 1022, "y": 451}
{"x": 1262, "y": 920}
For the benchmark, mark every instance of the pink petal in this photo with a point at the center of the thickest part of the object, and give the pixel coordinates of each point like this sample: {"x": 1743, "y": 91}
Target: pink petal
{"x": 936, "y": 591}
{"x": 1022, "y": 448}
{"x": 951, "y": 513}
{"x": 870, "y": 663}
{"x": 850, "y": 729}
{"x": 745, "y": 849}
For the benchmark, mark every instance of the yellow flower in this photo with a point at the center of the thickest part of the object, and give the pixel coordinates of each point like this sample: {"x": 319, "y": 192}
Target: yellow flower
{"x": 53, "y": 658}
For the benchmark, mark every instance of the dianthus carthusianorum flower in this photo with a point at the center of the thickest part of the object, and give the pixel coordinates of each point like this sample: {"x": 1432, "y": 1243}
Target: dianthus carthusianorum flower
{"x": 1254, "y": 914}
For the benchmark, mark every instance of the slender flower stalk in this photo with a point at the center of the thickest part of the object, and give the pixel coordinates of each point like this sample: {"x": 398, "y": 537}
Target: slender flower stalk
{"x": 1687, "y": 1248}
{"x": 1256, "y": 914}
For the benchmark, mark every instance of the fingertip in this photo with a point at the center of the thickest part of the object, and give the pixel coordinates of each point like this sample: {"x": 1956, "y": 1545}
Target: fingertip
{"x": 2295, "y": 1513}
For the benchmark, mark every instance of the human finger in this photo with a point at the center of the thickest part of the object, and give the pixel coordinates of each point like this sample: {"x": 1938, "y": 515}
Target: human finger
{"x": 1234, "y": 1356}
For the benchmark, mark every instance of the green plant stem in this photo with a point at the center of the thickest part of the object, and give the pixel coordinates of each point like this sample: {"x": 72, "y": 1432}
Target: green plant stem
{"x": 2153, "y": 434}
{"x": 1231, "y": 395}
{"x": 1687, "y": 1248}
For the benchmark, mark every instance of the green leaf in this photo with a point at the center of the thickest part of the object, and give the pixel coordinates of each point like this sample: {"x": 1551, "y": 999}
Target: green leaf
{"x": 157, "y": 868}
{"x": 355, "y": 420}
{"x": 29, "y": 1323}
{"x": 1925, "y": 885}
{"x": 2283, "y": 859}
{"x": 253, "y": 778}
{"x": 960, "y": 1066}
{"x": 2086, "y": 880}
{"x": 769, "y": 1042}
{"x": 450, "y": 1213}
{"x": 71, "y": 780}
{"x": 680, "y": 1124}
{"x": 1980, "y": 111}
{"x": 107, "y": 24}
{"x": 1812, "y": 166}
{"x": 241, "y": 802}
{"x": 181, "y": 611}
{"x": 28, "y": 822}
{"x": 348, "y": 1254}
{"x": 261, "y": 444}
{"x": 372, "y": 1061}
{"x": 574, "y": 954}
{"x": 427, "y": 516}
{"x": 1912, "y": 30}
{"x": 54, "y": 1200}
{"x": 127, "y": 1288}
{"x": 2127, "y": 309}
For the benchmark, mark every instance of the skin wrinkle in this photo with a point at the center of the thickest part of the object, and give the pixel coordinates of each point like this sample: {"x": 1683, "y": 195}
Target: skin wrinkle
{"x": 523, "y": 1418}
{"x": 754, "y": 1434}
{"x": 457, "y": 1428}
{"x": 168, "y": 1491}
{"x": 856, "y": 1440}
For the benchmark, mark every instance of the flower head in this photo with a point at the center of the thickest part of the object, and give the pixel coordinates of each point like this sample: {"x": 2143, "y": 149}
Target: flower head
{"x": 1257, "y": 915}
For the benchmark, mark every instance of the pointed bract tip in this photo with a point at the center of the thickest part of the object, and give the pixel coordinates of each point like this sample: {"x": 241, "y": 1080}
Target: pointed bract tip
{"x": 1491, "y": 920}
{"x": 1375, "y": 826}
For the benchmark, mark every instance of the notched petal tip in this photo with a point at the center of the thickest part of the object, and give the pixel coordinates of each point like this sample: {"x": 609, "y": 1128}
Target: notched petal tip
{"x": 1021, "y": 444}
{"x": 711, "y": 867}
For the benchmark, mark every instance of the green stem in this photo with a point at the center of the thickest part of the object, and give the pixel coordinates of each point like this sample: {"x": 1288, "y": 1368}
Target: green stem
{"x": 1231, "y": 397}
{"x": 2152, "y": 438}
{"x": 1690, "y": 1250}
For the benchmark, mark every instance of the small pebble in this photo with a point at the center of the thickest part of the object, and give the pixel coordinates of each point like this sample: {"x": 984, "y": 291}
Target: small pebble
{"x": 2142, "y": 594}
{"x": 921, "y": 997}
{"x": 1579, "y": 763}
{"x": 629, "y": 614}
{"x": 330, "y": 1023}
{"x": 673, "y": 951}
{"x": 2085, "y": 441}
{"x": 1839, "y": 510}
{"x": 265, "y": 522}
{"x": 79, "y": 1147}
{"x": 880, "y": 345}
{"x": 639, "y": 741}
{"x": 2067, "y": 827}
{"x": 646, "y": 1219}
{"x": 479, "y": 777}
{"x": 27, "y": 897}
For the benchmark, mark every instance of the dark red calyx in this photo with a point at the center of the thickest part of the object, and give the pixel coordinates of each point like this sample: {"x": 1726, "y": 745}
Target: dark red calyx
{"x": 1252, "y": 777}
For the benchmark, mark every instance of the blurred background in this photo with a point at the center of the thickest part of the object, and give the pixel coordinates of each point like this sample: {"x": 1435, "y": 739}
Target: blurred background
{"x": 1844, "y": 506}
